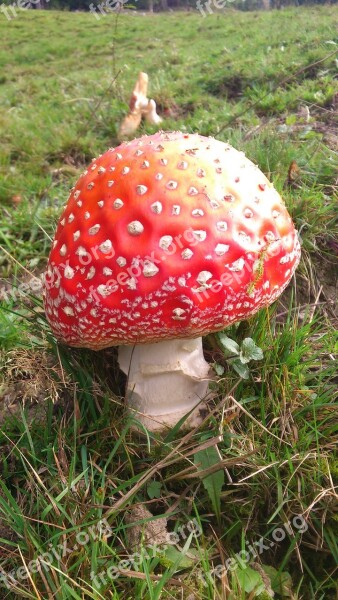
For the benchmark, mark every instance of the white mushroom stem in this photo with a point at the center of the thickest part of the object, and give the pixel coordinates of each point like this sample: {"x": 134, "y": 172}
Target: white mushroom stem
{"x": 151, "y": 114}
{"x": 140, "y": 107}
{"x": 166, "y": 380}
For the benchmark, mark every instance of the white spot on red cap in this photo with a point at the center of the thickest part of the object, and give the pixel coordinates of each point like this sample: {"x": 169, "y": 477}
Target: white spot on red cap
{"x": 125, "y": 171}
{"x": 149, "y": 269}
{"x": 87, "y": 215}
{"x": 91, "y": 273}
{"x": 176, "y": 209}
{"x": 69, "y": 272}
{"x": 165, "y": 242}
{"x": 237, "y": 265}
{"x": 171, "y": 185}
{"x": 141, "y": 189}
{"x": 121, "y": 261}
{"x": 156, "y": 207}
{"x": 199, "y": 235}
{"x": 187, "y": 254}
{"x": 101, "y": 170}
{"x": 106, "y": 290}
{"x": 68, "y": 311}
{"x": 110, "y": 183}
{"x": 106, "y": 246}
{"x": 159, "y": 176}
{"x": 221, "y": 249}
{"x": 135, "y": 228}
{"x": 131, "y": 283}
{"x": 179, "y": 314}
{"x": 203, "y": 277}
{"x": 95, "y": 229}
{"x": 192, "y": 191}
{"x": 244, "y": 238}
{"x": 222, "y": 225}
{"x": 63, "y": 250}
{"x": 81, "y": 251}
{"x": 197, "y": 212}
{"x": 118, "y": 203}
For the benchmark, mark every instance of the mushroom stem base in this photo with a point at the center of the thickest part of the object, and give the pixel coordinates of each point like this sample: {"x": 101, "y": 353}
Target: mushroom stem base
{"x": 166, "y": 380}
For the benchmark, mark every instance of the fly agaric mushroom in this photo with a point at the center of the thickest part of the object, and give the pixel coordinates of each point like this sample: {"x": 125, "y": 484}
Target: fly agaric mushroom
{"x": 164, "y": 239}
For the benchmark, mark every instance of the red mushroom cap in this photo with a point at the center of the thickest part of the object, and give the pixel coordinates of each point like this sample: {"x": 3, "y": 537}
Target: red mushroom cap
{"x": 170, "y": 235}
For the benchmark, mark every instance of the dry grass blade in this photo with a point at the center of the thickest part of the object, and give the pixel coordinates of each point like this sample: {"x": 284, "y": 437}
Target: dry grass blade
{"x": 193, "y": 472}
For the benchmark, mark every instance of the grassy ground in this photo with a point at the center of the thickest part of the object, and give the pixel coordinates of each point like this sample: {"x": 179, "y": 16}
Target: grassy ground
{"x": 259, "y": 475}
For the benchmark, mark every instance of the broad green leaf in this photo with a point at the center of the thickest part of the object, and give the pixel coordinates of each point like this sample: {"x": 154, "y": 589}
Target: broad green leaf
{"x": 213, "y": 483}
{"x": 154, "y": 489}
{"x": 281, "y": 583}
{"x": 240, "y": 368}
{"x": 250, "y": 351}
{"x": 172, "y": 568}
{"x": 219, "y": 370}
{"x": 249, "y": 580}
{"x": 173, "y": 555}
{"x": 229, "y": 345}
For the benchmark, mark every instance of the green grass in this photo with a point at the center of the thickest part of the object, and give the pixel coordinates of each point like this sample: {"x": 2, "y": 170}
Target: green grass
{"x": 68, "y": 455}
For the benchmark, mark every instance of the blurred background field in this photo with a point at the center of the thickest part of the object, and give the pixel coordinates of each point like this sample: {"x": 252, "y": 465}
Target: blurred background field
{"x": 267, "y": 83}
